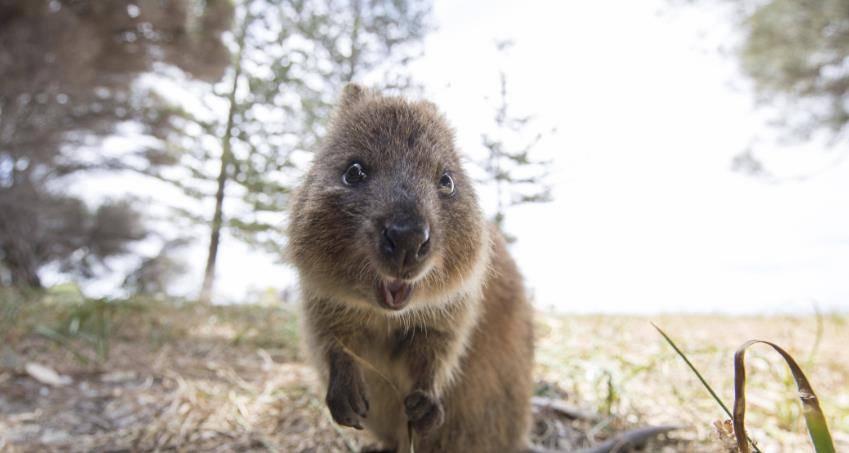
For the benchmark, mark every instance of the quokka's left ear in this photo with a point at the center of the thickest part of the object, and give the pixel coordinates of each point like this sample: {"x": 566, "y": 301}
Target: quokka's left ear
{"x": 351, "y": 95}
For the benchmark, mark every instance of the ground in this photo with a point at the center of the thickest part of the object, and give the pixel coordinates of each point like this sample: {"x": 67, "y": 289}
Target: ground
{"x": 144, "y": 375}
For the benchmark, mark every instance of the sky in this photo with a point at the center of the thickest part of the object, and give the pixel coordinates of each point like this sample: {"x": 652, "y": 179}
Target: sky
{"x": 647, "y": 214}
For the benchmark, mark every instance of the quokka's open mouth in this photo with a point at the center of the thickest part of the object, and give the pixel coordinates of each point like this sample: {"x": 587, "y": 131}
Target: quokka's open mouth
{"x": 395, "y": 294}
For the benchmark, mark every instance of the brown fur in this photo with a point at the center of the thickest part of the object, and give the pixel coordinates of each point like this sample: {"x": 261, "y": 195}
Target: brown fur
{"x": 456, "y": 361}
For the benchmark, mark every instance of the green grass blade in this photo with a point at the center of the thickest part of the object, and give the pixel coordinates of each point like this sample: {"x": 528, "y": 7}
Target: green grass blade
{"x": 62, "y": 341}
{"x": 814, "y": 417}
{"x": 693, "y": 368}
{"x": 701, "y": 378}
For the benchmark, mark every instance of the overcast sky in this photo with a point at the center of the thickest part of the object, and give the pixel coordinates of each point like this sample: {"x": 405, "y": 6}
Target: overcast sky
{"x": 647, "y": 215}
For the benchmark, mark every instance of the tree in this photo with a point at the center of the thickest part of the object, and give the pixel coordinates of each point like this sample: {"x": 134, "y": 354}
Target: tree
{"x": 289, "y": 60}
{"x": 796, "y": 53}
{"x": 40, "y": 228}
{"x": 69, "y": 72}
{"x": 516, "y": 176}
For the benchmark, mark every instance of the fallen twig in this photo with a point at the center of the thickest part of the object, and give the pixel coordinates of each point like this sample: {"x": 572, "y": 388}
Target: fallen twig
{"x": 561, "y": 408}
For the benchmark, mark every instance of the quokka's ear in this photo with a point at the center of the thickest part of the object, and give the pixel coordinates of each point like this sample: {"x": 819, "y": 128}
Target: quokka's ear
{"x": 430, "y": 106}
{"x": 351, "y": 95}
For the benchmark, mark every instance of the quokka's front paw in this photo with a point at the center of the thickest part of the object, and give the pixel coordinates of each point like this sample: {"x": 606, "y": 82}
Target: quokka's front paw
{"x": 346, "y": 399}
{"x": 424, "y": 411}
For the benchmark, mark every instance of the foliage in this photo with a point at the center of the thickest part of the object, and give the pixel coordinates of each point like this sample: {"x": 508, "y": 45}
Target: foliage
{"x": 39, "y": 228}
{"x": 289, "y": 59}
{"x": 796, "y": 53}
{"x": 69, "y": 71}
{"x": 518, "y": 178}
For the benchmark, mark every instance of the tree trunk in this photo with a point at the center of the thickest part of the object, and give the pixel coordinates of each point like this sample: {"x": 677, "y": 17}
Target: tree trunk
{"x": 17, "y": 255}
{"x": 23, "y": 272}
{"x": 205, "y": 296}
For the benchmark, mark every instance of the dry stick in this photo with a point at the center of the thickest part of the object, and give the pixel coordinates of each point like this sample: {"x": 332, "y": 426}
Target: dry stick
{"x": 388, "y": 381}
{"x": 562, "y": 408}
{"x": 629, "y": 439}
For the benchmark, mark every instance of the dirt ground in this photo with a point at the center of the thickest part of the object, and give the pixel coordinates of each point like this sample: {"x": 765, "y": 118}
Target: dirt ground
{"x": 150, "y": 376}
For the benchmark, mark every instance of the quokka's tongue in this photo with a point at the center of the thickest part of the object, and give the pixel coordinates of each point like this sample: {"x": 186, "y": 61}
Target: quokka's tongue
{"x": 396, "y": 294}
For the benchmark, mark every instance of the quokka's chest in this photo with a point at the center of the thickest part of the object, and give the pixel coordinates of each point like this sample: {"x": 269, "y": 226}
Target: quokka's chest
{"x": 384, "y": 356}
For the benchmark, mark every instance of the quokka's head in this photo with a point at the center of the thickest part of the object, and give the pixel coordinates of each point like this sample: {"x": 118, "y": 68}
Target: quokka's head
{"x": 386, "y": 216}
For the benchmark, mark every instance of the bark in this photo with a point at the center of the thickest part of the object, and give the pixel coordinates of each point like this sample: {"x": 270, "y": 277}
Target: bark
{"x": 21, "y": 265}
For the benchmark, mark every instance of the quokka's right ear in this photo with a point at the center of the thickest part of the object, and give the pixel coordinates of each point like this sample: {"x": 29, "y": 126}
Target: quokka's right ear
{"x": 351, "y": 95}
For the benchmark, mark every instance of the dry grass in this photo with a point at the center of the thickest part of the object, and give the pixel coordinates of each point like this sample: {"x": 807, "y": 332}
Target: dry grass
{"x": 620, "y": 366}
{"x": 150, "y": 375}
{"x": 184, "y": 378}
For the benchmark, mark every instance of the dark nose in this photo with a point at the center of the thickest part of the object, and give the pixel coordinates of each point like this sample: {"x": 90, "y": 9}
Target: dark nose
{"x": 405, "y": 240}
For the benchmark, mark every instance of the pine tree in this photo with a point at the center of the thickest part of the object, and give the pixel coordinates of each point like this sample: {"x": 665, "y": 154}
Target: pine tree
{"x": 289, "y": 61}
{"x": 512, "y": 170}
{"x": 795, "y": 53}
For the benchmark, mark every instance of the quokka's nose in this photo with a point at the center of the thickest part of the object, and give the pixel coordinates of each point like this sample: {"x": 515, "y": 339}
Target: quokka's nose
{"x": 405, "y": 240}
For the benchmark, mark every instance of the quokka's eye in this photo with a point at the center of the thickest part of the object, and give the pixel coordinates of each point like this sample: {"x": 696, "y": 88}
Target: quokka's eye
{"x": 446, "y": 184}
{"x": 354, "y": 175}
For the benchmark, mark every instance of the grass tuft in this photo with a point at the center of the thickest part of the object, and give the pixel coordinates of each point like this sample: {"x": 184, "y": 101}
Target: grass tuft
{"x": 814, "y": 417}
{"x": 702, "y": 379}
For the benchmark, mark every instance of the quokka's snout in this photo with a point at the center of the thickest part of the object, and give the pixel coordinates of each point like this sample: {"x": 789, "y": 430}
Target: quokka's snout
{"x": 404, "y": 242}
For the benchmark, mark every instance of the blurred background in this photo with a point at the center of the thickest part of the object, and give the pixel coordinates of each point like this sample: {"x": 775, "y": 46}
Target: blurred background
{"x": 644, "y": 158}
